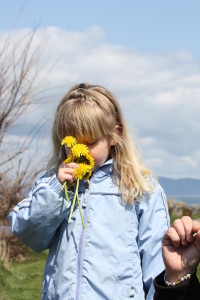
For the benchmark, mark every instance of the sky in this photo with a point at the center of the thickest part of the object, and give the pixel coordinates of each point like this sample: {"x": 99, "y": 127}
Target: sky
{"x": 146, "y": 52}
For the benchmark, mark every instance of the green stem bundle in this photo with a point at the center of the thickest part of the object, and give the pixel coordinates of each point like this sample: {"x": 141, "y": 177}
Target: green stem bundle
{"x": 73, "y": 204}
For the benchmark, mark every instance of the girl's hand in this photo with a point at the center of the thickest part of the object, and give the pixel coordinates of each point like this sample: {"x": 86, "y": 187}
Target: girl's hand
{"x": 66, "y": 173}
{"x": 181, "y": 248}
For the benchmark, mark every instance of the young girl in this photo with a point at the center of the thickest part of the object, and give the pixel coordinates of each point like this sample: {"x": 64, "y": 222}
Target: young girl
{"x": 125, "y": 214}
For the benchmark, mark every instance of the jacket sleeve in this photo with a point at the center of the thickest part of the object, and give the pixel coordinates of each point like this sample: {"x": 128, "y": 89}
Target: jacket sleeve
{"x": 186, "y": 290}
{"x": 153, "y": 223}
{"x": 35, "y": 219}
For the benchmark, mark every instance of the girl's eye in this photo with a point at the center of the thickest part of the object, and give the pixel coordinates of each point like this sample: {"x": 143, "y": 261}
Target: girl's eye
{"x": 92, "y": 142}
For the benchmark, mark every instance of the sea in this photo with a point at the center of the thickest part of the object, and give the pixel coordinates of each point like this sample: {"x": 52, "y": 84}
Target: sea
{"x": 190, "y": 200}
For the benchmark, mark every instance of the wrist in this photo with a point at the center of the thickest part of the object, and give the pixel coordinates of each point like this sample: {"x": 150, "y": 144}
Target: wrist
{"x": 177, "y": 278}
{"x": 172, "y": 275}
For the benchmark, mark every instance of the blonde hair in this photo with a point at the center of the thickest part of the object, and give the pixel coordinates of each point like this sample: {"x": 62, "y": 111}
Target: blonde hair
{"x": 91, "y": 111}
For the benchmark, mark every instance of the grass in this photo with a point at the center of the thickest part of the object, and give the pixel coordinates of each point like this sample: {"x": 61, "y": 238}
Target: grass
{"x": 174, "y": 217}
{"x": 24, "y": 279}
{"x": 198, "y": 272}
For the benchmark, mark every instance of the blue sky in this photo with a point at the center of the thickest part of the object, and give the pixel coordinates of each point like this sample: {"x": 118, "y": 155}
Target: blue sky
{"x": 146, "y": 52}
{"x": 153, "y": 25}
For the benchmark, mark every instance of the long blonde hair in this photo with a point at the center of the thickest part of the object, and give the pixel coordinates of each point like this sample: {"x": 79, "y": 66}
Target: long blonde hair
{"x": 92, "y": 111}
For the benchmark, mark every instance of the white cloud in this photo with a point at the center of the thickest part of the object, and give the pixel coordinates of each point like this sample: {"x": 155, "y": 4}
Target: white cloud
{"x": 159, "y": 93}
{"x": 189, "y": 161}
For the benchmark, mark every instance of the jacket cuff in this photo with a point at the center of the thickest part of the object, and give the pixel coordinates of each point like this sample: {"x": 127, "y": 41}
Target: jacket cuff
{"x": 189, "y": 289}
{"x": 55, "y": 184}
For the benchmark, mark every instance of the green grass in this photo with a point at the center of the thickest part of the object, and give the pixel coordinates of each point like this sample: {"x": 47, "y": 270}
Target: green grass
{"x": 197, "y": 216}
{"x": 23, "y": 280}
{"x": 198, "y": 272}
{"x": 174, "y": 217}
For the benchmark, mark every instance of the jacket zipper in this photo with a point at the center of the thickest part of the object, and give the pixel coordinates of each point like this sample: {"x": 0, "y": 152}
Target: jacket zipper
{"x": 80, "y": 253}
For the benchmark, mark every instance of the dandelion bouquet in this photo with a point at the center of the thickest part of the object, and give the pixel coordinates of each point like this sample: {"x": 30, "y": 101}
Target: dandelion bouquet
{"x": 79, "y": 154}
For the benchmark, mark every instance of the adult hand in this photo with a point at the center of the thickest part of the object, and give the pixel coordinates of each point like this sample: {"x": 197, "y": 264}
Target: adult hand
{"x": 181, "y": 248}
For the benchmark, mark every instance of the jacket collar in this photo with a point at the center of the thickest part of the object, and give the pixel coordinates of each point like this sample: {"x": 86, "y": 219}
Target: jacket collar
{"x": 104, "y": 169}
{"x": 98, "y": 174}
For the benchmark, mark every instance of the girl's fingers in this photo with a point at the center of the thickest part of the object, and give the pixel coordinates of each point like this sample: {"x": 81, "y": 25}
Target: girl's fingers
{"x": 69, "y": 178}
{"x": 66, "y": 172}
{"x": 68, "y": 166}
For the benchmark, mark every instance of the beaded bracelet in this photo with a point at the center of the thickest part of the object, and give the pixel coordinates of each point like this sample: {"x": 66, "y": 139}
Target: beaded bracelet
{"x": 173, "y": 283}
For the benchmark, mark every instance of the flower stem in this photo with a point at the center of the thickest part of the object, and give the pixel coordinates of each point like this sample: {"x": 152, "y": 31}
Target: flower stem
{"x": 64, "y": 186}
{"x": 66, "y": 193}
{"x": 80, "y": 209}
{"x": 74, "y": 200}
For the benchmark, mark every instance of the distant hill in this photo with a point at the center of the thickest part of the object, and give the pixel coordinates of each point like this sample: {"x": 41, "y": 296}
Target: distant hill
{"x": 180, "y": 187}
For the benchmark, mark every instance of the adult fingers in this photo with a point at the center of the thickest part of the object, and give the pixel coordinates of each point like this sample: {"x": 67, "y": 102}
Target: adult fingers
{"x": 197, "y": 242}
{"x": 188, "y": 226}
{"x": 196, "y": 230}
{"x": 171, "y": 237}
{"x": 195, "y": 225}
{"x": 180, "y": 229}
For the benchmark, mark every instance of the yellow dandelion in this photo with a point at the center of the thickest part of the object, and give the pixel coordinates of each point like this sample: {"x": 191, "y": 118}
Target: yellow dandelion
{"x": 88, "y": 174}
{"x": 68, "y": 159}
{"x": 69, "y": 141}
{"x": 90, "y": 160}
{"x": 79, "y": 154}
{"x": 79, "y": 171}
{"x": 79, "y": 150}
{"x": 82, "y": 171}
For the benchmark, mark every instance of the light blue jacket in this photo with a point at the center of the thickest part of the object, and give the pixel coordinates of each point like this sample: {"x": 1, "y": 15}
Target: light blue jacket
{"x": 118, "y": 254}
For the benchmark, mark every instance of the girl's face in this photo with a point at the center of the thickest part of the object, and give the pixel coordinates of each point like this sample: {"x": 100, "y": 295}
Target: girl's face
{"x": 99, "y": 149}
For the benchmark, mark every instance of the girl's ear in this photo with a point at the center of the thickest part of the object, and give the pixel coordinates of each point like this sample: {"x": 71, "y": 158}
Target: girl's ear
{"x": 118, "y": 130}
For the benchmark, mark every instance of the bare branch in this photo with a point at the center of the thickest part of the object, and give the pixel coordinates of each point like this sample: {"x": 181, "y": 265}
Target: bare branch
{"x": 19, "y": 65}
{"x": 18, "y": 73}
